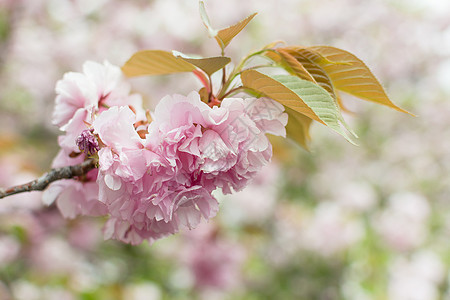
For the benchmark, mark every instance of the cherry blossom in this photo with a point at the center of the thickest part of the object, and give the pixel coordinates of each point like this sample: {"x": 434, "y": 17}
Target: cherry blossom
{"x": 159, "y": 184}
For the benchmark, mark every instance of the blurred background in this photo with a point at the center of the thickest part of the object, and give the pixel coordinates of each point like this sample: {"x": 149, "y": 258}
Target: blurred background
{"x": 338, "y": 222}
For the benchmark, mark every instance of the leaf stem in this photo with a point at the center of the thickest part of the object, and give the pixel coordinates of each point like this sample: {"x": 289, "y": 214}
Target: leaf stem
{"x": 248, "y": 90}
{"x": 232, "y": 91}
{"x": 201, "y": 76}
{"x": 224, "y": 76}
{"x": 210, "y": 88}
{"x": 237, "y": 70}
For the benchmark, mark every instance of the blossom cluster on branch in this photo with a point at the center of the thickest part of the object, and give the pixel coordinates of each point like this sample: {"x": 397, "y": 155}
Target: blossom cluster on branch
{"x": 156, "y": 172}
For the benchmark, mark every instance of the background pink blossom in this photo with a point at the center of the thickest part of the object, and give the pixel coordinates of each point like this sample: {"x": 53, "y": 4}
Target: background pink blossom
{"x": 405, "y": 43}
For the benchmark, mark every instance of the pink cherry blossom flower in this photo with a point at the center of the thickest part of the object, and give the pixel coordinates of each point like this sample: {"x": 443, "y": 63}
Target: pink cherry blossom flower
{"x": 216, "y": 147}
{"x": 80, "y": 98}
{"x": 99, "y": 85}
{"x": 140, "y": 188}
{"x": 220, "y": 268}
{"x": 244, "y": 132}
{"x": 155, "y": 186}
{"x": 75, "y": 198}
{"x": 161, "y": 215}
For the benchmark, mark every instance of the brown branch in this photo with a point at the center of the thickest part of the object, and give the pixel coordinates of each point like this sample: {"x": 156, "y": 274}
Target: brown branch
{"x": 55, "y": 174}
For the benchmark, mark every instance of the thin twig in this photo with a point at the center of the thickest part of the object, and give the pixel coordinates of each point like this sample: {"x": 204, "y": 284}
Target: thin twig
{"x": 232, "y": 91}
{"x": 55, "y": 174}
{"x": 238, "y": 70}
{"x": 210, "y": 89}
{"x": 224, "y": 75}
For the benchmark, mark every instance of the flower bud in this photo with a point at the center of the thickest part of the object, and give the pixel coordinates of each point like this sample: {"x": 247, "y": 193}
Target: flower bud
{"x": 87, "y": 143}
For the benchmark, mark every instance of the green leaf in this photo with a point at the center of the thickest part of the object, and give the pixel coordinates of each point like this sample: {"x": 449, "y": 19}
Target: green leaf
{"x": 297, "y": 128}
{"x": 318, "y": 57}
{"x": 274, "y": 44}
{"x": 289, "y": 63}
{"x": 155, "y": 62}
{"x": 224, "y": 36}
{"x": 300, "y": 95}
{"x": 212, "y": 32}
{"x": 309, "y": 60}
{"x": 353, "y": 76}
{"x": 209, "y": 65}
{"x": 276, "y": 90}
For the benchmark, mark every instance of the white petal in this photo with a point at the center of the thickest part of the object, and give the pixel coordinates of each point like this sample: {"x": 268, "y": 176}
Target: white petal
{"x": 113, "y": 182}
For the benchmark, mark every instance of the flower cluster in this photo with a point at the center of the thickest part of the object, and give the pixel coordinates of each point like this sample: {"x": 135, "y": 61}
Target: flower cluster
{"x": 156, "y": 174}
{"x": 80, "y": 98}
